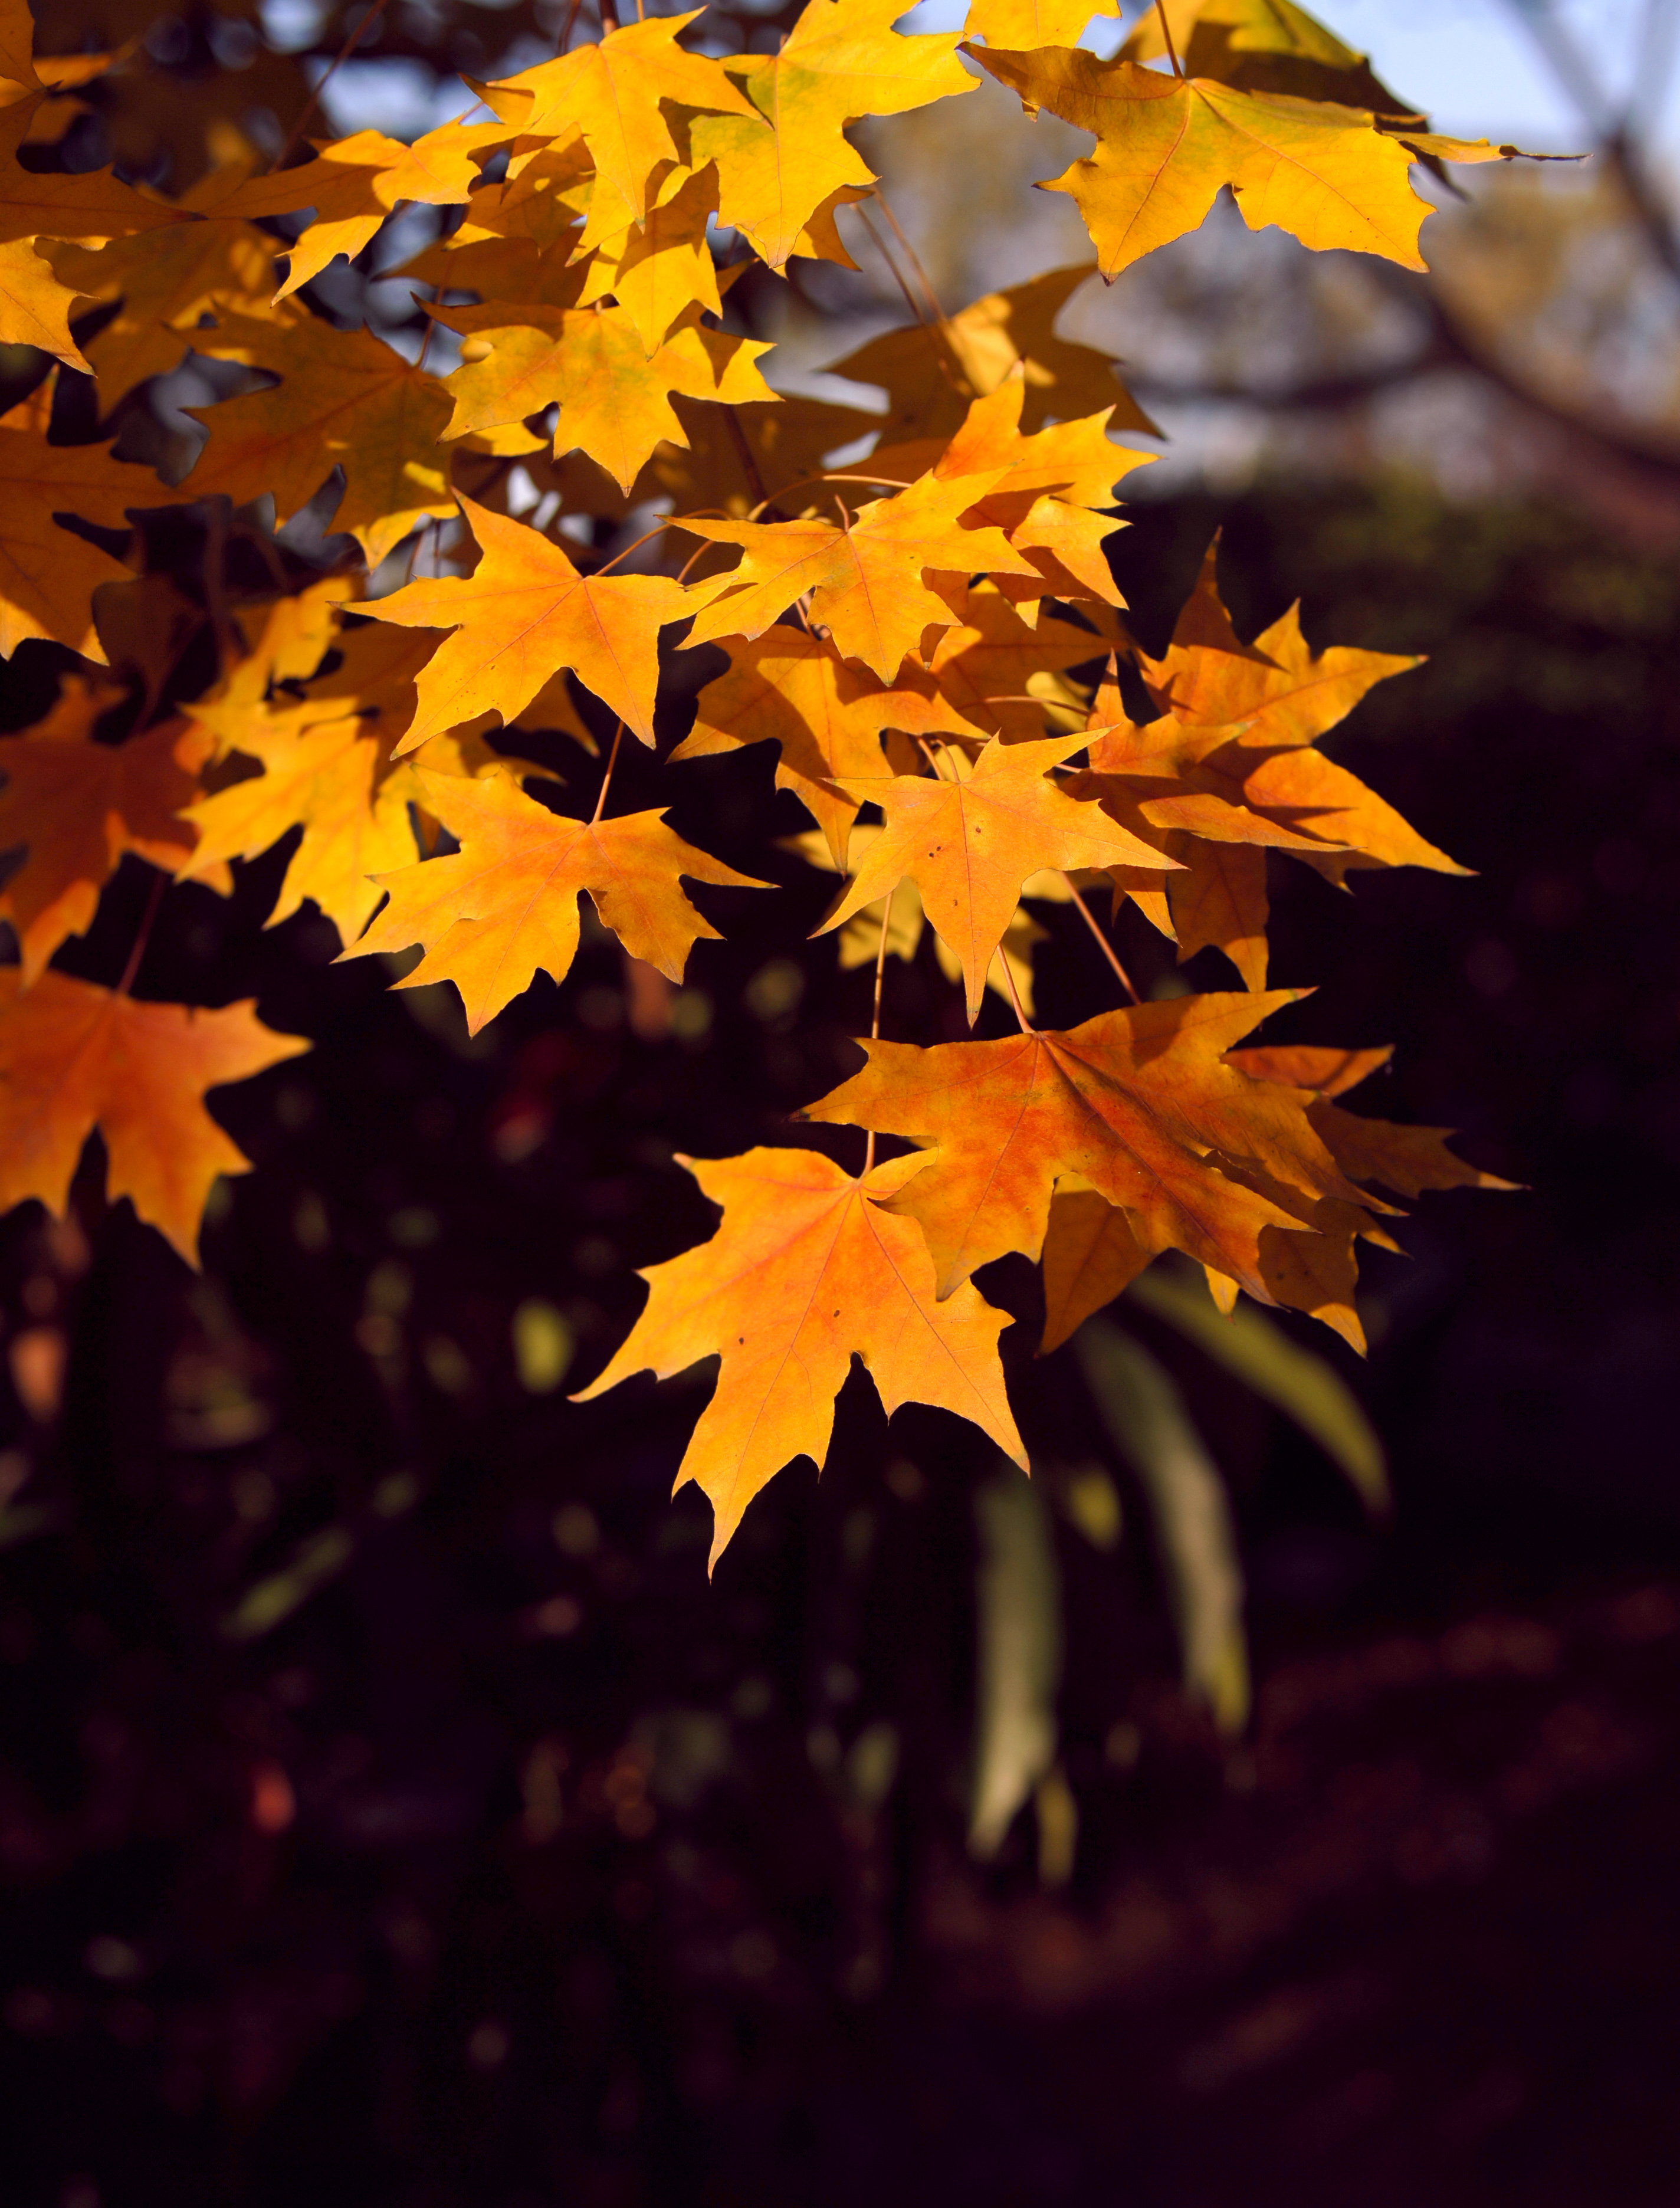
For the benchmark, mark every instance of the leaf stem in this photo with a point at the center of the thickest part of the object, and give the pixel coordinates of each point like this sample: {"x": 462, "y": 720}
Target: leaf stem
{"x": 875, "y": 1021}
{"x": 1166, "y": 33}
{"x": 159, "y": 884}
{"x": 612, "y": 761}
{"x": 1103, "y": 943}
{"x": 911, "y": 301}
{"x": 1027, "y": 1027}
{"x": 801, "y": 483}
{"x": 342, "y": 54}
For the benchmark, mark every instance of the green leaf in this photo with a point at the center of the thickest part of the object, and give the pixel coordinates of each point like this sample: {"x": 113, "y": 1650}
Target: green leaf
{"x": 1019, "y": 1594}
{"x": 1304, "y": 1388}
{"x": 1146, "y": 1418}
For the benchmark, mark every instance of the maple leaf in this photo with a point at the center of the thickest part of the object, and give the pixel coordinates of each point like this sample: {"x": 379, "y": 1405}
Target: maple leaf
{"x": 1263, "y": 46}
{"x": 333, "y": 776}
{"x": 73, "y": 1056}
{"x": 806, "y": 1271}
{"x": 1047, "y": 500}
{"x": 969, "y": 843}
{"x": 777, "y": 447}
{"x": 658, "y": 269}
{"x": 356, "y": 184}
{"x": 79, "y": 805}
{"x": 1011, "y": 972}
{"x": 614, "y": 398}
{"x": 997, "y": 674}
{"x": 167, "y": 283}
{"x": 842, "y": 60}
{"x": 1028, "y": 24}
{"x": 345, "y": 400}
{"x": 48, "y": 575}
{"x": 1248, "y": 716}
{"x": 93, "y": 206}
{"x": 789, "y": 687}
{"x": 1139, "y": 1102}
{"x": 489, "y": 914}
{"x": 932, "y": 375}
{"x": 864, "y": 574}
{"x": 614, "y": 92}
{"x": 523, "y": 614}
{"x": 1408, "y": 1159}
{"x": 1167, "y": 146}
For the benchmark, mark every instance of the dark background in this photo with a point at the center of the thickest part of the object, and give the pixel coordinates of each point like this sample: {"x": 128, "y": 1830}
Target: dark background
{"x": 370, "y": 1833}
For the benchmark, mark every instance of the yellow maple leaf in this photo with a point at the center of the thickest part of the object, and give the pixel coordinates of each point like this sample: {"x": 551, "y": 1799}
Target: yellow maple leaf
{"x": 615, "y": 93}
{"x": 523, "y": 614}
{"x": 1167, "y": 146}
{"x": 971, "y": 842}
{"x": 489, "y": 914}
{"x": 806, "y": 1272}
{"x": 842, "y": 60}
{"x": 614, "y": 398}
{"x": 866, "y": 573}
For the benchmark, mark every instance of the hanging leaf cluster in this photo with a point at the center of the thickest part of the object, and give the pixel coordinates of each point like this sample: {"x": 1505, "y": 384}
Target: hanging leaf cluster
{"x": 929, "y": 635}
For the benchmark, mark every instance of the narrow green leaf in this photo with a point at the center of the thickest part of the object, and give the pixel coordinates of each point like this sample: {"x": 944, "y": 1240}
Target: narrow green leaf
{"x": 1304, "y": 1388}
{"x": 1019, "y": 1594}
{"x": 1197, "y": 1543}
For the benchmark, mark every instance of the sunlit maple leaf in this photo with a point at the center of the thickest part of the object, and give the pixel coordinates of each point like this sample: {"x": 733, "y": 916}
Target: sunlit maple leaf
{"x": 865, "y": 572}
{"x": 1167, "y": 146}
{"x": 1139, "y": 1101}
{"x": 789, "y": 687}
{"x": 902, "y": 913}
{"x": 614, "y": 398}
{"x": 969, "y": 844}
{"x": 1001, "y": 676}
{"x": 932, "y": 375}
{"x": 523, "y": 614}
{"x": 806, "y": 1271}
{"x": 1027, "y": 24}
{"x": 78, "y": 806}
{"x": 616, "y": 94}
{"x": 73, "y": 1056}
{"x": 842, "y": 60}
{"x": 491, "y": 914}
{"x": 1263, "y": 45}
{"x": 333, "y": 776}
{"x": 355, "y": 185}
{"x": 659, "y": 269}
{"x": 345, "y": 400}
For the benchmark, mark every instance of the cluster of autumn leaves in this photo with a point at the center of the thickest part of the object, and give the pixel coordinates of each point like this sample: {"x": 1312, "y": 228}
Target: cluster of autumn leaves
{"x": 908, "y": 628}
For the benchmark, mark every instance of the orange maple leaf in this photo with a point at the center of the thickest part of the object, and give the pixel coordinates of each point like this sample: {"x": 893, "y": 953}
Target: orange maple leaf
{"x": 523, "y": 614}
{"x": 506, "y": 903}
{"x": 79, "y": 805}
{"x": 969, "y": 843}
{"x": 806, "y": 1270}
{"x": 73, "y": 1056}
{"x": 1138, "y": 1102}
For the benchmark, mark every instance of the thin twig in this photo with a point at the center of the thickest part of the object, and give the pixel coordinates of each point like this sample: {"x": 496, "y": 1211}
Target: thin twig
{"x": 912, "y": 256}
{"x": 1166, "y": 33}
{"x": 1103, "y": 943}
{"x": 159, "y": 884}
{"x": 566, "y": 28}
{"x": 344, "y": 54}
{"x": 911, "y": 301}
{"x": 612, "y": 761}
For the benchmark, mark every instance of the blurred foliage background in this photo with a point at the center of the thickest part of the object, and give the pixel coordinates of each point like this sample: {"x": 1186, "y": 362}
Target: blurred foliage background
{"x": 390, "y": 1810}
